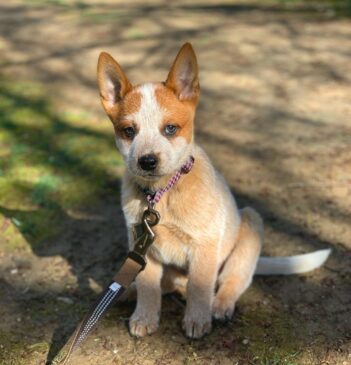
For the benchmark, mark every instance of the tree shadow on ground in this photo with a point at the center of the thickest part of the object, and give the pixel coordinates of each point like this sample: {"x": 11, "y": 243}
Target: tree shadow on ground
{"x": 94, "y": 244}
{"x": 88, "y": 231}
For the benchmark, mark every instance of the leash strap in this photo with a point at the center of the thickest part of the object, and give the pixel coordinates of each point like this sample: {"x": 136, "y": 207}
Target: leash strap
{"x": 133, "y": 264}
{"x": 131, "y": 267}
{"x": 128, "y": 272}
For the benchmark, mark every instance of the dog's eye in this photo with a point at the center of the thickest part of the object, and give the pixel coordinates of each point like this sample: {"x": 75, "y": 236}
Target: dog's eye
{"x": 129, "y": 132}
{"x": 170, "y": 129}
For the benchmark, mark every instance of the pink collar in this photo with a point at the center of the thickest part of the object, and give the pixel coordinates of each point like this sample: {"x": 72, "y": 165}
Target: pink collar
{"x": 154, "y": 197}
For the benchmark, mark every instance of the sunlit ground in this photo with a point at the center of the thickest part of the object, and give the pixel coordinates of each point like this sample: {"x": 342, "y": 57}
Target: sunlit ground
{"x": 274, "y": 117}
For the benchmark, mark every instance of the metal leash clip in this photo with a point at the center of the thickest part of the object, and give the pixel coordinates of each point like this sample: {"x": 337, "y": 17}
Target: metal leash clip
{"x": 144, "y": 236}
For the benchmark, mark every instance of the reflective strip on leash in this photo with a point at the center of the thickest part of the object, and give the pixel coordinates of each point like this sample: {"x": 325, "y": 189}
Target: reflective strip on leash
{"x": 99, "y": 311}
{"x": 111, "y": 294}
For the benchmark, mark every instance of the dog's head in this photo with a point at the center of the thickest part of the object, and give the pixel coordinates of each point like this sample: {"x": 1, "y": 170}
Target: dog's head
{"x": 153, "y": 122}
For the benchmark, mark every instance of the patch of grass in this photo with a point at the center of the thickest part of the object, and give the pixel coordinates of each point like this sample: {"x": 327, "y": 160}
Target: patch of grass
{"x": 17, "y": 347}
{"x": 98, "y": 16}
{"x": 11, "y": 350}
{"x": 58, "y": 3}
{"x": 277, "y": 359}
{"x": 135, "y": 33}
{"x": 334, "y": 7}
{"x": 272, "y": 337}
{"x": 45, "y": 185}
{"x": 50, "y": 163}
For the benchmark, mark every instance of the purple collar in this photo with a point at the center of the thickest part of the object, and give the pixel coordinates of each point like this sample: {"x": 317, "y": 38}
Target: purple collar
{"x": 154, "y": 197}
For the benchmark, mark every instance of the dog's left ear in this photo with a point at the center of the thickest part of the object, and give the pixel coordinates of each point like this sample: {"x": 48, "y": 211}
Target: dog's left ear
{"x": 113, "y": 83}
{"x": 183, "y": 77}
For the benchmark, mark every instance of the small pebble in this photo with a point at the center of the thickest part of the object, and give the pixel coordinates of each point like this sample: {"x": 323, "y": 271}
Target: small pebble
{"x": 115, "y": 351}
{"x": 65, "y": 300}
{"x": 14, "y": 271}
{"x": 245, "y": 341}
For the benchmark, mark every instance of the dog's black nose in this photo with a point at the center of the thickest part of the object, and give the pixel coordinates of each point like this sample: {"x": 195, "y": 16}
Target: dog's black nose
{"x": 148, "y": 162}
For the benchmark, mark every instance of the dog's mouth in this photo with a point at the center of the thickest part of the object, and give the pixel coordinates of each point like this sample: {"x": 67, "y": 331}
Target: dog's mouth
{"x": 147, "y": 175}
{"x": 151, "y": 175}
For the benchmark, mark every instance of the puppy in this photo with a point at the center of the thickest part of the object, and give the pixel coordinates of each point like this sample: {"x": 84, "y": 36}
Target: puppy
{"x": 204, "y": 245}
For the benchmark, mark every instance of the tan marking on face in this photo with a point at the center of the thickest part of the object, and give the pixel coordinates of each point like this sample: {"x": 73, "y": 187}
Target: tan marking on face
{"x": 128, "y": 106}
{"x": 178, "y": 113}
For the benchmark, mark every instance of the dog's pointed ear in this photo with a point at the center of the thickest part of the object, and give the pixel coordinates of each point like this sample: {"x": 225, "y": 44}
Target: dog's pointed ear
{"x": 183, "y": 77}
{"x": 113, "y": 83}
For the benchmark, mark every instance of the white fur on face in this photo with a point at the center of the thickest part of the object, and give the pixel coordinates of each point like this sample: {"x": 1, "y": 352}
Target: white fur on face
{"x": 149, "y": 140}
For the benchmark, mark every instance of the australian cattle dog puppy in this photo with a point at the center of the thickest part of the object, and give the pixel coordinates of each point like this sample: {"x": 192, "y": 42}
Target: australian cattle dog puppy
{"x": 204, "y": 245}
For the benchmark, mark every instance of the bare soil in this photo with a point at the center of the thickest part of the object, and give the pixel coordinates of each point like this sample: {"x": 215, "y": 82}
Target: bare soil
{"x": 274, "y": 117}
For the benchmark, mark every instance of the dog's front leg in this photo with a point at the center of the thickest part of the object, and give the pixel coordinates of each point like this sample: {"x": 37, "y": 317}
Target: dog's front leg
{"x": 146, "y": 316}
{"x": 200, "y": 292}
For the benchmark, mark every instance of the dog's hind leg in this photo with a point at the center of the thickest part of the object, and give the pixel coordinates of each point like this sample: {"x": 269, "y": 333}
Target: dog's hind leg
{"x": 239, "y": 268}
{"x": 174, "y": 280}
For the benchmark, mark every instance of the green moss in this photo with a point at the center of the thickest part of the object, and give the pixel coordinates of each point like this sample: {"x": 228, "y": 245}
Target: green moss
{"x": 50, "y": 162}
{"x": 11, "y": 238}
{"x": 103, "y": 16}
{"x": 17, "y": 348}
{"x": 12, "y": 350}
{"x": 272, "y": 337}
{"x": 58, "y": 3}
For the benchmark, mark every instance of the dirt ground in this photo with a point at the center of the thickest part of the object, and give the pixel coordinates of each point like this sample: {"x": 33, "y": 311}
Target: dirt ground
{"x": 275, "y": 119}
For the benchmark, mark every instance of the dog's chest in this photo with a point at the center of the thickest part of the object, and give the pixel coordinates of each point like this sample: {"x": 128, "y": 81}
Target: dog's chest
{"x": 174, "y": 242}
{"x": 172, "y": 245}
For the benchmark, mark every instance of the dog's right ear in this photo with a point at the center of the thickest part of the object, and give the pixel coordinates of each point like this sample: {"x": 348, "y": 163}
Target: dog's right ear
{"x": 113, "y": 83}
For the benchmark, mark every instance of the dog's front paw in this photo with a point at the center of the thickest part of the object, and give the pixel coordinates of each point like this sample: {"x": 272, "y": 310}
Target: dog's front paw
{"x": 142, "y": 325}
{"x": 197, "y": 325}
{"x": 223, "y": 308}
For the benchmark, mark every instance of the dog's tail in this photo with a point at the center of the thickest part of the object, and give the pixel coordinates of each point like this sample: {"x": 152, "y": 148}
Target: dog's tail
{"x": 291, "y": 264}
